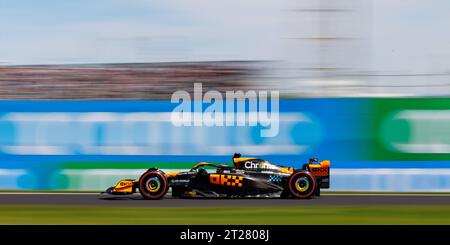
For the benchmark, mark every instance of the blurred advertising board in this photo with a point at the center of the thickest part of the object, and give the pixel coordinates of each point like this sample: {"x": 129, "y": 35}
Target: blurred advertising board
{"x": 373, "y": 144}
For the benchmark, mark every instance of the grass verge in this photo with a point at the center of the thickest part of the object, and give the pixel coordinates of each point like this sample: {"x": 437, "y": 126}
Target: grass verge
{"x": 352, "y": 215}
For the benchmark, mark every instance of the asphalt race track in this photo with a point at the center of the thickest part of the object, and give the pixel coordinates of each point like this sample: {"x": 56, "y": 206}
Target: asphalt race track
{"x": 88, "y": 199}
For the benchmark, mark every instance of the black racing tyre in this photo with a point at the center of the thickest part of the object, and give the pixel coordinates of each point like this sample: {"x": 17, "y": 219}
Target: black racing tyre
{"x": 302, "y": 185}
{"x": 153, "y": 185}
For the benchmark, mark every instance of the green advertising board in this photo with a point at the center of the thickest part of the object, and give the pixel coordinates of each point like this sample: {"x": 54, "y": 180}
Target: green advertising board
{"x": 411, "y": 129}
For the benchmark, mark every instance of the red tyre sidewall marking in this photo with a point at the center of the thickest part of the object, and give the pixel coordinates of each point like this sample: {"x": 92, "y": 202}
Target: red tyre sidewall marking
{"x": 294, "y": 192}
{"x": 162, "y": 177}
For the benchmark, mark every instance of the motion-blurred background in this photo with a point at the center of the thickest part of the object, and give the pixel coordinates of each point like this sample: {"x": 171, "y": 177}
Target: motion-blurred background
{"x": 85, "y": 88}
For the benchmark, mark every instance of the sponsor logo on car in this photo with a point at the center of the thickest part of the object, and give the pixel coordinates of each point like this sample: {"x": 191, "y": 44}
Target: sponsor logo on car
{"x": 275, "y": 178}
{"x": 319, "y": 171}
{"x": 226, "y": 180}
{"x": 258, "y": 165}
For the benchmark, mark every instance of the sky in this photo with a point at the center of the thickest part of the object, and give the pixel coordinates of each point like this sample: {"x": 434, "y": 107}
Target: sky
{"x": 403, "y": 35}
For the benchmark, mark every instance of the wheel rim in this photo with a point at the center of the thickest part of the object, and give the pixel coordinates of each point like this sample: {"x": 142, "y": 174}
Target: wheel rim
{"x": 302, "y": 184}
{"x": 153, "y": 184}
{"x": 302, "y": 180}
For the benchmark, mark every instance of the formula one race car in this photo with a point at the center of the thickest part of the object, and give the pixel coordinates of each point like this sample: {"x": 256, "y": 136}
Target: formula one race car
{"x": 249, "y": 177}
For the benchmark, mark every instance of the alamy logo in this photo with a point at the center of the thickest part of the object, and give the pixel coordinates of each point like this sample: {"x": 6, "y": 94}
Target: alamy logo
{"x": 239, "y": 108}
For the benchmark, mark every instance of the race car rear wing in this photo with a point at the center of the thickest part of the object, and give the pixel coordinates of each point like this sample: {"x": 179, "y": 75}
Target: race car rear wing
{"x": 320, "y": 170}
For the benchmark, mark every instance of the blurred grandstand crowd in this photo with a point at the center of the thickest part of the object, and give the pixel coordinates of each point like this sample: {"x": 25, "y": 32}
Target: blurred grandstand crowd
{"x": 158, "y": 81}
{"x": 120, "y": 81}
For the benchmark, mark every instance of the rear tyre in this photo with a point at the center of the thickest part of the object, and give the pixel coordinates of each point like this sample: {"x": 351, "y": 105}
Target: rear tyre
{"x": 302, "y": 185}
{"x": 153, "y": 185}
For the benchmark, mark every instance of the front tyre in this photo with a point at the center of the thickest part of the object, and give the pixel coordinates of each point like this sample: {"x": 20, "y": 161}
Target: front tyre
{"x": 302, "y": 185}
{"x": 153, "y": 185}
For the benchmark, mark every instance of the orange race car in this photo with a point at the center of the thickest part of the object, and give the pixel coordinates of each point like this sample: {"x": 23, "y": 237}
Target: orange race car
{"x": 249, "y": 177}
